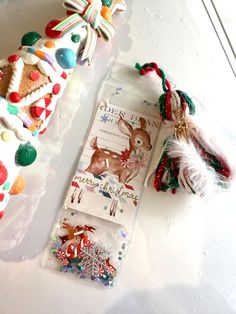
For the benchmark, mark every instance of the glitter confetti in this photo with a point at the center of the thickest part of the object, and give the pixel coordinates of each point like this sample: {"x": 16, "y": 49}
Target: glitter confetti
{"x": 77, "y": 253}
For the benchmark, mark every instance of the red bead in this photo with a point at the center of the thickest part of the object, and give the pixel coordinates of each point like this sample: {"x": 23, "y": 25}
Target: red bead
{"x": 3, "y": 173}
{"x": 34, "y": 75}
{"x": 1, "y": 197}
{"x": 49, "y": 29}
{"x": 1, "y": 214}
{"x": 1, "y": 75}
{"x": 15, "y": 97}
{"x": 13, "y": 58}
{"x": 64, "y": 75}
{"x": 56, "y": 89}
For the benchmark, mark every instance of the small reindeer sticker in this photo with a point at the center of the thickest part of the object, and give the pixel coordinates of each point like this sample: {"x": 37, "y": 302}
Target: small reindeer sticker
{"x": 126, "y": 164}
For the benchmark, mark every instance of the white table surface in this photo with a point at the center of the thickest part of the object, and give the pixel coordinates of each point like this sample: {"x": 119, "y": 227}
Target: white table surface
{"x": 182, "y": 257}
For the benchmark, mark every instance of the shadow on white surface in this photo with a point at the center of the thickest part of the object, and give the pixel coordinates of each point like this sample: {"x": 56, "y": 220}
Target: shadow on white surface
{"x": 174, "y": 299}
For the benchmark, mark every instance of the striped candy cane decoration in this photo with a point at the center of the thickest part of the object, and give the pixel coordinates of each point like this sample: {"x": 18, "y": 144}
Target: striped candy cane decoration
{"x": 73, "y": 251}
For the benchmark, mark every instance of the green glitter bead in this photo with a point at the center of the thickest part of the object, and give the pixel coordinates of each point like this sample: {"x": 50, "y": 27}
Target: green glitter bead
{"x": 7, "y": 186}
{"x": 29, "y": 39}
{"x": 25, "y": 155}
{"x": 12, "y": 109}
{"x": 75, "y": 38}
{"x": 107, "y": 3}
{"x": 80, "y": 267}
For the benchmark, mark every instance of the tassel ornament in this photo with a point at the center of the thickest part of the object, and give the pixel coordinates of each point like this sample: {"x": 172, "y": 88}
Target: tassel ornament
{"x": 188, "y": 160}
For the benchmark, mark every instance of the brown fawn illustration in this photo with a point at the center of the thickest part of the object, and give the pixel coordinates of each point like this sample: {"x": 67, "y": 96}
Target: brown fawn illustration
{"x": 105, "y": 160}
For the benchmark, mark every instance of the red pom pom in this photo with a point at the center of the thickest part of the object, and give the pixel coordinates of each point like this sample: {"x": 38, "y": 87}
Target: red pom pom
{"x": 56, "y": 89}
{"x": 1, "y": 197}
{"x": 1, "y": 214}
{"x": 49, "y": 29}
{"x": 15, "y": 97}
{"x": 64, "y": 75}
{"x": 3, "y": 173}
{"x": 13, "y": 58}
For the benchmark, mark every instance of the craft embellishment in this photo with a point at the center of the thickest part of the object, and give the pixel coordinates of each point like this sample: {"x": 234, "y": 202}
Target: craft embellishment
{"x": 80, "y": 255}
{"x": 107, "y": 186}
{"x": 189, "y": 160}
{"x": 113, "y": 164}
{"x": 90, "y": 15}
{"x": 33, "y": 79}
{"x": 127, "y": 164}
{"x": 94, "y": 229}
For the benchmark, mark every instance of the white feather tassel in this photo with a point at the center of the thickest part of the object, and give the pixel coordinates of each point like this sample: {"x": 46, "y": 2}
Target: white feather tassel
{"x": 195, "y": 176}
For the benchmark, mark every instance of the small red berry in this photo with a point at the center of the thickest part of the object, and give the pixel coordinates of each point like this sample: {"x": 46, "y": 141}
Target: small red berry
{"x": 1, "y": 214}
{"x": 1, "y": 197}
{"x": 3, "y": 173}
{"x": 13, "y": 58}
{"x": 56, "y": 89}
{"x": 15, "y": 97}
{"x": 64, "y": 75}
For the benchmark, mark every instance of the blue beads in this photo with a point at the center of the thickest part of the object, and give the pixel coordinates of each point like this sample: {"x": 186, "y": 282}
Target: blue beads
{"x": 66, "y": 58}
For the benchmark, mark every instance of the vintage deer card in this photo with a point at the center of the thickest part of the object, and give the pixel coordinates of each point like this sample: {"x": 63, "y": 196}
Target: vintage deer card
{"x": 111, "y": 172}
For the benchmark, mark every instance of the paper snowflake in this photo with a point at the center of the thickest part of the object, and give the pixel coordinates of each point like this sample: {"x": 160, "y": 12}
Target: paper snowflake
{"x": 104, "y": 118}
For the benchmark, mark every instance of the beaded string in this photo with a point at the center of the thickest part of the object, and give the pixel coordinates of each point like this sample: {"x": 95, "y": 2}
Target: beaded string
{"x": 175, "y": 106}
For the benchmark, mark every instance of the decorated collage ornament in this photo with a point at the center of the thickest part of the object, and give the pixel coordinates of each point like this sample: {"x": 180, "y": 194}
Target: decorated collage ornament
{"x": 78, "y": 254}
{"x": 33, "y": 79}
{"x": 188, "y": 161}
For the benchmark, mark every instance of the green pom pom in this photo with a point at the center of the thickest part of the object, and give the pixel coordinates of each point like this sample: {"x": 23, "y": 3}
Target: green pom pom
{"x": 75, "y": 38}
{"x": 25, "y": 155}
{"x": 12, "y": 109}
{"x": 29, "y": 39}
{"x": 107, "y": 3}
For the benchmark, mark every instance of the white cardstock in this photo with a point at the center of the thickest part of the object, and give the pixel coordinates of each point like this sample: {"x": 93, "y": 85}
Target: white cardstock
{"x": 110, "y": 175}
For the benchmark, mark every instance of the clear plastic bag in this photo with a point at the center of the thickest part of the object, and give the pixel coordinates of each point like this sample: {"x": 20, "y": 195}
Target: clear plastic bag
{"x": 92, "y": 234}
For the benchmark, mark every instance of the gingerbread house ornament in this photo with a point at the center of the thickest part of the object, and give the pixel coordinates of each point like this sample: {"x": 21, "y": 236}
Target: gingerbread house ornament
{"x": 34, "y": 78}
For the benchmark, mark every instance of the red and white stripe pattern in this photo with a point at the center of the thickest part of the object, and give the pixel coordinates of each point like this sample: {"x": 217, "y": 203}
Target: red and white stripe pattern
{"x": 41, "y": 109}
{"x": 62, "y": 256}
{"x": 110, "y": 269}
{"x": 73, "y": 251}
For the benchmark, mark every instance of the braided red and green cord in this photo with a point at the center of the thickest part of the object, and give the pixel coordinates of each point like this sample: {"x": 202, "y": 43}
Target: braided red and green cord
{"x": 167, "y": 171}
